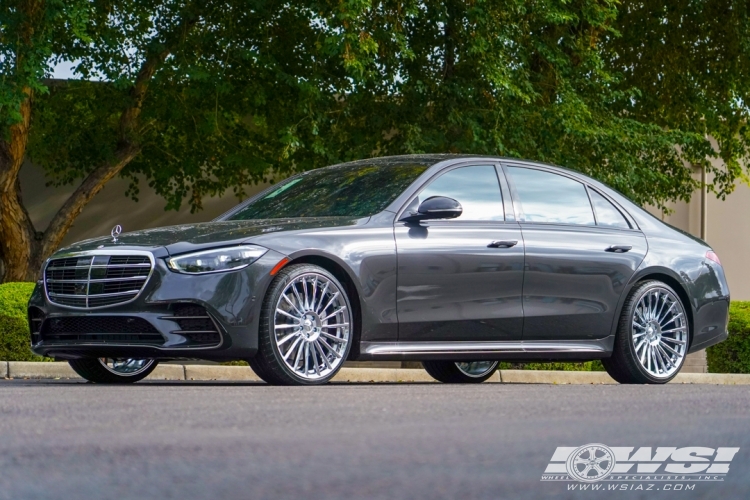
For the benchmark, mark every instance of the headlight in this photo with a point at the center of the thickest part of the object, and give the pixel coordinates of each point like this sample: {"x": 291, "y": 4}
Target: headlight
{"x": 217, "y": 260}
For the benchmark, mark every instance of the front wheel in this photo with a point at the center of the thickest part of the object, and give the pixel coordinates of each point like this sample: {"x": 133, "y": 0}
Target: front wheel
{"x": 460, "y": 372}
{"x": 652, "y": 337}
{"x": 306, "y": 328}
{"x": 113, "y": 370}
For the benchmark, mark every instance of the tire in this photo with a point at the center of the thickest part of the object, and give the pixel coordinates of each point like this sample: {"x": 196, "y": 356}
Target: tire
{"x": 297, "y": 344}
{"x": 113, "y": 371}
{"x": 460, "y": 372}
{"x": 653, "y": 336}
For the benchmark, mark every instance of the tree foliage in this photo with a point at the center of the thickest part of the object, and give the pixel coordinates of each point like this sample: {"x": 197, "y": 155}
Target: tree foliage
{"x": 201, "y": 97}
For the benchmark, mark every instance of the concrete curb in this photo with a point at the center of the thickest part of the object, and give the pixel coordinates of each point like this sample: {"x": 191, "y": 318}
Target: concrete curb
{"x": 61, "y": 370}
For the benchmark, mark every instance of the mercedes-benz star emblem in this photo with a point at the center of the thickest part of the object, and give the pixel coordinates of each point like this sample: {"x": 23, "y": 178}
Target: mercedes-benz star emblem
{"x": 116, "y": 231}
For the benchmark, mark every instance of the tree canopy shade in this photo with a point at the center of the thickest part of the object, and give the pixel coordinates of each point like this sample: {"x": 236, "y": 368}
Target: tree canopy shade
{"x": 204, "y": 96}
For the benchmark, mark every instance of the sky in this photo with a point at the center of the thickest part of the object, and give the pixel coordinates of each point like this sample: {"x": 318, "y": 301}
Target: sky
{"x": 63, "y": 71}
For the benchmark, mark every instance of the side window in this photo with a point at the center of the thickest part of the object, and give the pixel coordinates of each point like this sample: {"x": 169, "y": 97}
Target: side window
{"x": 542, "y": 196}
{"x": 475, "y": 188}
{"x": 606, "y": 213}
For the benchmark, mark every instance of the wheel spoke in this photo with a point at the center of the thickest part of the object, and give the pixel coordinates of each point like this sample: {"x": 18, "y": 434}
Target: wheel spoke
{"x": 332, "y": 337}
{"x": 640, "y": 345}
{"x": 281, "y": 311}
{"x": 639, "y": 313}
{"x": 665, "y": 358}
{"x": 330, "y": 301}
{"x": 337, "y": 325}
{"x": 680, "y": 329}
{"x": 665, "y": 346}
{"x": 306, "y": 304}
{"x": 292, "y": 348}
{"x": 298, "y": 356}
{"x": 653, "y": 359}
{"x": 676, "y": 341}
{"x": 316, "y": 365}
{"x": 283, "y": 295}
{"x": 334, "y": 313}
{"x": 334, "y": 351}
{"x": 652, "y": 303}
{"x": 659, "y": 307}
{"x": 322, "y": 296}
{"x": 307, "y": 358}
{"x": 322, "y": 355}
{"x": 284, "y": 325}
{"x": 662, "y": 317}
{"x": 659, "y": 361}
{"x": 297, "y": 296}
{"x": 314, "y": 291}
{"x": 287, "y": 338}
{"x": 673, "y": 319}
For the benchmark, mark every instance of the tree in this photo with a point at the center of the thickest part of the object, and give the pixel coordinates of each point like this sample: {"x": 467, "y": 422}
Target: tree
{"x": 571, "y": 83}
{"x": 201, "y": 96}
{"x": 198, "y": 95}
{"x": 690, "y": 63}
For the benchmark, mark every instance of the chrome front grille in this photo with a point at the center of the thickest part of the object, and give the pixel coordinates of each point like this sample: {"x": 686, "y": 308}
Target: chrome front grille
{"x": 96, "y": 280}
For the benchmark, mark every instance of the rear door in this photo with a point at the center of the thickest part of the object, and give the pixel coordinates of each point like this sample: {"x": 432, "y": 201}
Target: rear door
{"x": 453, "y": 283}
{"x": 581, "y": 251}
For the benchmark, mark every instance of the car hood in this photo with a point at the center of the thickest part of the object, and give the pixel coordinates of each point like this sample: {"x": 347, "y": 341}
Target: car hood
{"x": 192, "y": 237}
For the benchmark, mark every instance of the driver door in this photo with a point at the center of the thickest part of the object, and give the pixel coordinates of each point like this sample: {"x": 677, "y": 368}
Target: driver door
{"x": 454, "y": 282}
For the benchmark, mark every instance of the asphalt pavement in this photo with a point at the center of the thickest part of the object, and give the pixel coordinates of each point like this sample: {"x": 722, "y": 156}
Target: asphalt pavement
{"x": 202, "y": 440}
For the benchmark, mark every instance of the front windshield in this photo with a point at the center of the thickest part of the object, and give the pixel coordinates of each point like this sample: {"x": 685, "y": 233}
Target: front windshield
{"x": 352, "y": 190}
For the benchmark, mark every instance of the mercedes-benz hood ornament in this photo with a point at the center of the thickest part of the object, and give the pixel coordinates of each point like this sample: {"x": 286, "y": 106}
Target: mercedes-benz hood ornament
{"x": 116, "y": 231}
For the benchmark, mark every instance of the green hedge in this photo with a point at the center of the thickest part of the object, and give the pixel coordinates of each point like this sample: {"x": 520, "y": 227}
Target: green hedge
{"x": 588, "y": 366}
{"x": 14, "y": 327}
{"x": 733, "y": 355}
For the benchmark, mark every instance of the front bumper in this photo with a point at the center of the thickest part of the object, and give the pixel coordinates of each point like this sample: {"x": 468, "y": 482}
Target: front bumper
{"x": 231, "y": 300}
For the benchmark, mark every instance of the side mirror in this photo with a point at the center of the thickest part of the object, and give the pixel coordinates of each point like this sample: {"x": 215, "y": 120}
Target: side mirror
{"x": 435, "y": 207}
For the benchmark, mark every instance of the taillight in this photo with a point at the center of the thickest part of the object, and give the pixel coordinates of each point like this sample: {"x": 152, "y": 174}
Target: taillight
{"x": 711, "y": 255}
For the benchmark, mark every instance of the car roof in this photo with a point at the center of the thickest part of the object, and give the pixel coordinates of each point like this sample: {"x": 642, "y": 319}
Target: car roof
{"x": 434, "y": 159}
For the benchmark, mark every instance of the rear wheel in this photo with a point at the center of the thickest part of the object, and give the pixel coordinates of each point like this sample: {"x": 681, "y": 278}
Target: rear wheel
{"x": 652, "y": 337}
{"x": 305, "y": 329}
{"x": 460, "y": 372}
{"x": 113, "y": 370}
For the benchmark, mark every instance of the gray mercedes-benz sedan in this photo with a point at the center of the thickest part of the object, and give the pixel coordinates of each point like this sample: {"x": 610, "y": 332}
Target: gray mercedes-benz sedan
{"x": 455, "y": 261}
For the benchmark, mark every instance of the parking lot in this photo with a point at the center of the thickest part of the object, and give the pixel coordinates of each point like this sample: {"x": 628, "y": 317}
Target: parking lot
{"x": 69, "y": 439}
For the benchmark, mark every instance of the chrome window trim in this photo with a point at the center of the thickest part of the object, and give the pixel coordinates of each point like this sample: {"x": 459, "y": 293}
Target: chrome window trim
{"x": 92, "y": 253}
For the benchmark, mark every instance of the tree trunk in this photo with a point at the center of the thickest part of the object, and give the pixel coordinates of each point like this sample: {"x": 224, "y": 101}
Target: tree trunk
{"x": 23, "y": 250}
{"x": 18, "y": 239}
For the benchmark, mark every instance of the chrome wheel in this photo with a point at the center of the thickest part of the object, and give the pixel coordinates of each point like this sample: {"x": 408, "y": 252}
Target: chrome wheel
{"x": 660, "y": 332}
{"x": 312, "y": 326}
{"x": 126, "y": 367}
{"x": 476, "y": 369}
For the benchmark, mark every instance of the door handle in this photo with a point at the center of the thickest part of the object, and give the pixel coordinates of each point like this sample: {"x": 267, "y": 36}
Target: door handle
{"x": 503, "y": 244}
{"x": 618, "y": 248}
